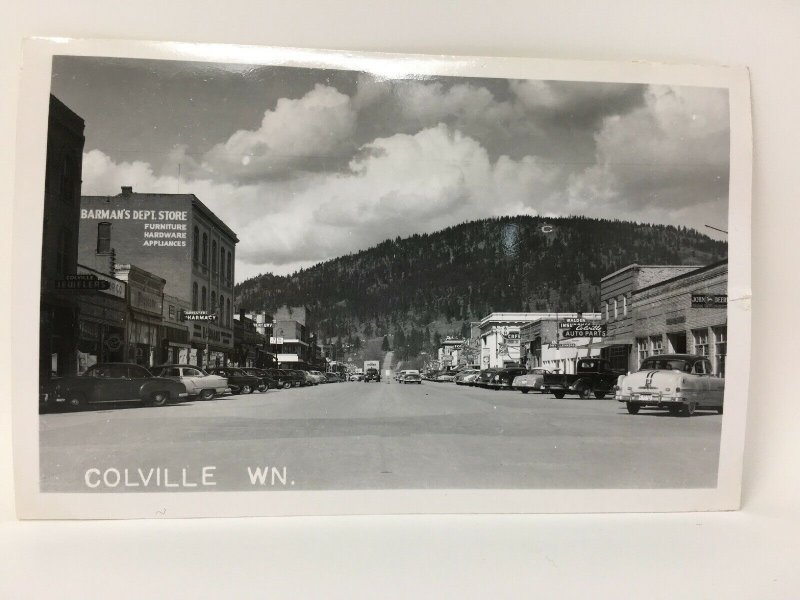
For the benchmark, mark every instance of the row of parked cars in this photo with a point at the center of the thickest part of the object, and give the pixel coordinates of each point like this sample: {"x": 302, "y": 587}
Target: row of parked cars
{"x": 124, "y": 382}
{"x": 679, "y": 383}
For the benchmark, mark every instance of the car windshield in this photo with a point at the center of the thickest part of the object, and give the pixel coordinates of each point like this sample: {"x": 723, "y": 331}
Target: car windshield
{"x": 666, "y": 364}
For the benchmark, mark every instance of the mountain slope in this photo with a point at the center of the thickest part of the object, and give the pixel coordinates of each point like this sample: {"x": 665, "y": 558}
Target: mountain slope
{"x": 464, "y": 272}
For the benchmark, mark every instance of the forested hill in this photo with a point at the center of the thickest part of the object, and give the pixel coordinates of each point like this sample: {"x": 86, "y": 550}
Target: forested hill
{"x": 462, "y": 273}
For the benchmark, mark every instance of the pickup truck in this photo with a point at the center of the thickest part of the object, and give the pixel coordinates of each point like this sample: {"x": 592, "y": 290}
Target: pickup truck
{"x": 593, "y": 377}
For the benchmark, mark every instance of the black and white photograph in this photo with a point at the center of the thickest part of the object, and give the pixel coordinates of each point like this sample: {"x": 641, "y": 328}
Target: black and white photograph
{"x": 295, "y": 276}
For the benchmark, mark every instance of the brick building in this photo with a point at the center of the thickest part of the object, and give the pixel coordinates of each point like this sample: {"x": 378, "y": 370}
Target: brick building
{"x": 616, "y": 294}
{"x": 102, "y": 322}
{"x": 556, "y": 341}
{"x": 58, "y": 317}
{"x": 175, "y": 237}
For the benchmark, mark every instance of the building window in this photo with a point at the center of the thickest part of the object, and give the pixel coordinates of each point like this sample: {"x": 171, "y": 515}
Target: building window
{"x": 656, "y": 345}
{"x": 103, "y": 237}
{"x": 222, "y": 262}
{"x": 616, "y": 314}
{"x": 605, "y": 306}
{"x": 203, "y": 303}
{"x": 720, "y": 349}
{"x": 213, "y": 304}
{"x": 700, "y": 340}
{"x": 214, "y": 256}
{"x": 205, "y": 249}
{"x": 229, "y": 268}
{"x": 228, "y": 310}
{"x": 624, "y": 306}
{"x": 222, "y": 309}
{"x": 196, "y": 244}
{"x": 194, "y": 296}
{"x": 641, "y": 349}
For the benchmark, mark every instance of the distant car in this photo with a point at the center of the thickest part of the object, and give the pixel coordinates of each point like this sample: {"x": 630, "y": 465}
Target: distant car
{"x": 239, "y": 381}
{"x": 681, "y": 383}
{"x": 504, "y": 378}
{"x": 196, "y": 380}
{"x": 372, "y": 375}
{"x": 332, "y": 377}
{"x": 411, "y": 378}
{"x": 115, "y": 382}
{"x": 445, "y": 376}
{"x": 356, "y": 377}
{"x": 482, "y": 380}
{"x": 266, "y": 381}
{"x": 459, "y": 379}
{"x": 282, "y": 379}
{"x": 294, "y": 377}
{"x": 469, "y": 378}
{"x": 530, "y": 381}
{"x": 318, "y": 376}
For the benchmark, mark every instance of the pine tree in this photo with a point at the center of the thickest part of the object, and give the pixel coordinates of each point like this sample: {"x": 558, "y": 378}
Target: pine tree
{"x": 385, "y": 344}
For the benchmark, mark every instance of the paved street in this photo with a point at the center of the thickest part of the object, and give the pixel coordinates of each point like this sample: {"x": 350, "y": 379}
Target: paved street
{"x": 360, "y": 436}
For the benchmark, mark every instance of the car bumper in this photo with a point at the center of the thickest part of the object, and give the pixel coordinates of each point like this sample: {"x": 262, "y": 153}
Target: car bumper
{"x": 651, "y": 399}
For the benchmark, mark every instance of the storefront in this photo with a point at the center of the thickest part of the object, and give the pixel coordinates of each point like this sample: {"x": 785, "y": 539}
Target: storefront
{"x": 145, "y": 296}
{"x": 685, "y": 314}
{"x": 556, "y": 342}
{"x": 102, "y": 322}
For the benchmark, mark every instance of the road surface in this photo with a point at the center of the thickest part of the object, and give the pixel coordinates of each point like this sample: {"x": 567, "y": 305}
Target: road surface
{"x": 386, "y": 435}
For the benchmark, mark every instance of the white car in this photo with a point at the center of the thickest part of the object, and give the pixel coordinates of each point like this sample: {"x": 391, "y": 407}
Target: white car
{"x": 318, "y": 376}
{"x": 532, "y": 380}
{"x": 196, "y": 380}
{"x": 681, "y": 383}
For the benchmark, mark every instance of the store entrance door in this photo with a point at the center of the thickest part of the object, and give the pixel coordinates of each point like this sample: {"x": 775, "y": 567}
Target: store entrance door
{"x": 677, "y": 342}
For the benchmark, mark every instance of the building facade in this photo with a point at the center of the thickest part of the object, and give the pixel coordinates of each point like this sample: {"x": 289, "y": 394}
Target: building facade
{"x": 175, "y": 344}
{"x": 450, "y": 353}
{"x": 616, "y": 297}
{"x": 556, "y": 341}
{"x": 500, "y": 338}
{"x": 102, "y": 321}
{"x": 175, "y": 237}
{"x": 684, "y": 314}
{"x": 59, "y": 309}
{"x": 145, "y": 303}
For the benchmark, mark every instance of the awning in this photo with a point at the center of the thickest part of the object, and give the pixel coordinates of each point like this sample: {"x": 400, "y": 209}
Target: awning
{"x": 608, "y": 342}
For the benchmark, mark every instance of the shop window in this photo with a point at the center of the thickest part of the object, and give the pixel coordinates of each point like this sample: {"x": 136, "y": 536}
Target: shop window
{"x": 720, "y": 349}
{"x": 700, "y": 341}
{"x": 103, "y": 238}
{"x": 641, "y": 349}
{"x": 203, "y": 303}
{"x": 205, "y": 249}
{"x": 656, "y": 345}
{"x": 194, "y": 296}
{"x": 618, "y": 357}
{"x": 196, "y": 244}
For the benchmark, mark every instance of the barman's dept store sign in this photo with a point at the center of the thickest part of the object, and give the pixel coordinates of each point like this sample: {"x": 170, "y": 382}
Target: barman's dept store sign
{"x": 161, "y": 228}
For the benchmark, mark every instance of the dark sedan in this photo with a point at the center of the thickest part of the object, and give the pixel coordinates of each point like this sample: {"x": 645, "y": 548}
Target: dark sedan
{"x": 113, "y": 382}
{"x": 265, "y": 380}
{"x": 483, "y": 379}
{"x": 332, "y": 378}
{"x": 504, "y": 378}
{"x": 239, "y": 381}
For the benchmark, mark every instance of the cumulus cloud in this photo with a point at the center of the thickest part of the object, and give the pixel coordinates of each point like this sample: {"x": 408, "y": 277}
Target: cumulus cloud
{"x": 308, "y": 133}
{"x": 658, "y": 160}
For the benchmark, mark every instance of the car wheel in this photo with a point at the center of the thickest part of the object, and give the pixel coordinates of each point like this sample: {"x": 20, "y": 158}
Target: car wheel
{"x": 559, "y": 395}
{"x": 632, "y": 407}
{"x": 525, "y": 390}
{"x": 246, "y": 389}
{"x": 76, "y": 401}
{"x": 286, "y": 385}
{"x": 599, "y": 395}
{"x": 159, "y": 398}
{"x": 687, "y": 410}
{"x": 263, "y": 387}
{"x": 207, "y": 395}
{"x": 674, "y": 409}
{"x": 586, "y": 393}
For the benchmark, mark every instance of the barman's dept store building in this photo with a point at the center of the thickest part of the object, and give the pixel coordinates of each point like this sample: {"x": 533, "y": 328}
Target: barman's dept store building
{"x": 174, "y": 237}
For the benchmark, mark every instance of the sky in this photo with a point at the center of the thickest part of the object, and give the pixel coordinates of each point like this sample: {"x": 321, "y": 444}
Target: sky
{"x": 310, "y": 164}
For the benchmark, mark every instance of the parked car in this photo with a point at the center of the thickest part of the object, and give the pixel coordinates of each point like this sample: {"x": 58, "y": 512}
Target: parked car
{"x": 446, "y": 376}
{"x": 198, "y": 383}
{"x": 681, "y": 383}
{"x": 593, "y": 377}
{"x": 530, "y": 380}
{"x": 318, "y": 376}
{"x": 482, "y": 380}
{"x": 372, "y": 375}
{"x": 504, "y": 378}
{"x": 239, "y": 381}
{"x": 332, "y": 377}
{"x": 265, "y": 379}
{"x": 356, "y": 377}
{"x": 294, "y": 378}
{"x": 115, "y": 382}
{"x": 469, "y": 378}
{"x": 411, "y": 378}
{"x": 282, "y": 379}
{"x": 459, "y": 379}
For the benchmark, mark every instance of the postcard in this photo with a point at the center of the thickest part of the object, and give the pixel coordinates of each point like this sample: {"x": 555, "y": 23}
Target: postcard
{"x": 273, "y": 281}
